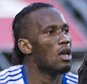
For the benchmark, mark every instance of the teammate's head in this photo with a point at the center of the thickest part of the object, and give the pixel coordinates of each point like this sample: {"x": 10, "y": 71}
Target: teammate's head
{"x": 41, "y": 32}
{"x": 83, "y": 71}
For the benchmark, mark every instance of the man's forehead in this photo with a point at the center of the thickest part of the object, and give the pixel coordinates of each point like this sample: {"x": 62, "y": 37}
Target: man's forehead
{"x": 44, "y": 11}
{"x": 47, "y": 16}
{"x": 60, "y": 13}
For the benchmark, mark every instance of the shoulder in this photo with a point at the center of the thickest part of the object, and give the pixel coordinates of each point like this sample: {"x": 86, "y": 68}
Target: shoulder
{"x": 71, "y": 78}
{"x": 11, "y": 74}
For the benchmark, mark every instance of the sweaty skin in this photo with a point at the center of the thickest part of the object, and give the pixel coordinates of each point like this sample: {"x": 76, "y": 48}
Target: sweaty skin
{"x": 51, "y": 47}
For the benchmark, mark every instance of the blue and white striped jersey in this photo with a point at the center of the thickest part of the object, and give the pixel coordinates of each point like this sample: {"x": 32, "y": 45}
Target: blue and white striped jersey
{"x": 16, "y": 75}
{"x": 70, "y": 78}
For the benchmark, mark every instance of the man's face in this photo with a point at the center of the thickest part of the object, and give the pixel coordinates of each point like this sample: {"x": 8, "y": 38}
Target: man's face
{"x": 50, "y": 40}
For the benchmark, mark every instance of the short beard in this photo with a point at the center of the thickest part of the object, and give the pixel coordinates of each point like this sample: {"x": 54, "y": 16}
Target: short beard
{"x": 64, "y": 70}
{"x": 54, "y": 72}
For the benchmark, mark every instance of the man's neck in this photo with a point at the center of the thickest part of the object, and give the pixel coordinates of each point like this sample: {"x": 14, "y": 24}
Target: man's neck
{"x": 36, "y": 76}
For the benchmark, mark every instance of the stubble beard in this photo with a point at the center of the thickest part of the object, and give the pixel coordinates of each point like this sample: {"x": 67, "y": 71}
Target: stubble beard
{"x": 54, "y": 72}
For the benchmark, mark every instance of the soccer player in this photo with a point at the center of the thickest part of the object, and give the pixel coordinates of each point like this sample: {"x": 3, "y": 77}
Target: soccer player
{"x": 42, "y": 47}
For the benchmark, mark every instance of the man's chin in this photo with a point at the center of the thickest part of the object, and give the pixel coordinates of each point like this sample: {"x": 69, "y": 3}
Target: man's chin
{"x": 64, "y": 70}
{"x": 55, "y": 71}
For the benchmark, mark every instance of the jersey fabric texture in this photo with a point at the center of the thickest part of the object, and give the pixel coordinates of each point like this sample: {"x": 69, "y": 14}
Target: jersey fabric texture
{"x": 16, "y": 75}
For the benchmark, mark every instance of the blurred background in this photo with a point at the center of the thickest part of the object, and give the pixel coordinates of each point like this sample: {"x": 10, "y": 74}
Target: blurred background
{"x": 74, "y": 12}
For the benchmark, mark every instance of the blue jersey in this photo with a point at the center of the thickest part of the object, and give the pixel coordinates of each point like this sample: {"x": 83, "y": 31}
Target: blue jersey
{"x": 16, "y": 75}
{"x": 70, "y": 78}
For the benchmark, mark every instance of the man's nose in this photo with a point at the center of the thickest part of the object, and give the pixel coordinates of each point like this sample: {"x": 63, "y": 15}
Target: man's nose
{"x": 64, "y": 39}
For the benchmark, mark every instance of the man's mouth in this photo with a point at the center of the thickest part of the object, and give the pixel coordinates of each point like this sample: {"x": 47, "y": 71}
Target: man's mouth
{"x": 65, "y": 54}
{"x": 66, "y": 51}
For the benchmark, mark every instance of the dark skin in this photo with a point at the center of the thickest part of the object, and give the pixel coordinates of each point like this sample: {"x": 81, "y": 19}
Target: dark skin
{"x": 44, "y": 60}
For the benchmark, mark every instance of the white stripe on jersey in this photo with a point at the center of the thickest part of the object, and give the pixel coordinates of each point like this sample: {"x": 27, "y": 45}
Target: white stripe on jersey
{"x": 16, "y": 82}
{"x": 11, "y": 78}
{"x": 70, "y": 82}
{"x": 12, "y": 75}
{"x": 73, "y": 75}
{"x": 11, "y": 69}
{"x": 71, "y": 78}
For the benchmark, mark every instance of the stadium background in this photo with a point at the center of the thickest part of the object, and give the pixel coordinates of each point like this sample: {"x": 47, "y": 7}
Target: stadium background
{"x": 74, "y": 12}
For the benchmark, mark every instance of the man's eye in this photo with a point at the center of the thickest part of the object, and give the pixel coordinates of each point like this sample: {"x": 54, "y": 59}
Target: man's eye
{"x": 50, "y": 31}
{"x": 66, "y": 31}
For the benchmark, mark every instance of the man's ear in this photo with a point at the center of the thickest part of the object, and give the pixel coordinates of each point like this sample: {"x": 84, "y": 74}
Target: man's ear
{"x": 25, "y": 46}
